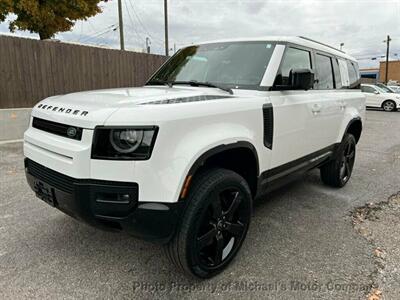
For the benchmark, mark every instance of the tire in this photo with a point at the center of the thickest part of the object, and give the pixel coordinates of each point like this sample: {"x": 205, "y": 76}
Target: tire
{"x": 389, "y": 105}
{"x": 337, "y": 172}
{"x": 214, "y": 224}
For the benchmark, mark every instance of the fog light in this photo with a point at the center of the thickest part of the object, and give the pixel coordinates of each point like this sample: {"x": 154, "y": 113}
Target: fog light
{"x": 124, "y": 197}
{"x": 113, "y": 198}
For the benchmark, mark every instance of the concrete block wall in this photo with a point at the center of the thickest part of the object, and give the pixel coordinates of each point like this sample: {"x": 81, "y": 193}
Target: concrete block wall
{"x": 13, "y": 123}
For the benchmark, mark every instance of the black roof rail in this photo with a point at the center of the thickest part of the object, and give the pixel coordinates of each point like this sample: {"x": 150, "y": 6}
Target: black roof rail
{"x": 314, "y": 41}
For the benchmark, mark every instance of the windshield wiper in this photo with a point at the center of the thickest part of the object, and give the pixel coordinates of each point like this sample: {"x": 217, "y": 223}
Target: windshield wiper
{"x": 207, "y": 84}
{"x": 158, "y": 82}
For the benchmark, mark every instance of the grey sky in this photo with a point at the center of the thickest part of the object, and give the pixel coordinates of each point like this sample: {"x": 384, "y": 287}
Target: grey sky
{"x": 360, "y": 25}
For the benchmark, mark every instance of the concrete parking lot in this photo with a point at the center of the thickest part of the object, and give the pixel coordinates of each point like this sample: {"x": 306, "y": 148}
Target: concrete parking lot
{"x": 302, "y": 242}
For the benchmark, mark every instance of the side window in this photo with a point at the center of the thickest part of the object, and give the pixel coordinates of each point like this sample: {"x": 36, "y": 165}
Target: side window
{"x": 294, "y": 59}
{"x": 353, "y": 74}
{"x": 323, "y": 65}
{"x": 336, "y": 71}
{"x": 367, "y": 89}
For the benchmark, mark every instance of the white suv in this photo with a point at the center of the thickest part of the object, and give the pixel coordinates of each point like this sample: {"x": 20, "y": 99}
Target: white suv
{"x": 180, "y": 160}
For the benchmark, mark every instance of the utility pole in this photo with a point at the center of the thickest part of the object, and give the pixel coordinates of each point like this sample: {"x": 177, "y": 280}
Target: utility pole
{"x": 148, "y": 43}
{"x": 388, "y": 39}
{"x": 121, "y": 25}
{"x": 166, "y": 27}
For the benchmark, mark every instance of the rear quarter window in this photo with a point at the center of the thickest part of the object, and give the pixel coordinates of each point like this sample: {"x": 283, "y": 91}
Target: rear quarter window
{"x": 354, "y": 74}
{"x": 336, "y": 71}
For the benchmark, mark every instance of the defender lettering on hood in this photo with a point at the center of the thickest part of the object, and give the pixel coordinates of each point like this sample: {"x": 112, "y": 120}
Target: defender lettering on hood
{"x": 63, "y": 110}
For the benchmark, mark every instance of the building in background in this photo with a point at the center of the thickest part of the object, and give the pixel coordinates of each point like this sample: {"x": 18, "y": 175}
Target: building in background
{"x": 370, "y": 75}
{"x": 394, "y": 71}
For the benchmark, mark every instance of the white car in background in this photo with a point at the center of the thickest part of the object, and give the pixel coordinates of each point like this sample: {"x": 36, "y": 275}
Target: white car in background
{"x": 387, "y": 88}
{"x": 394, "y": 88}
{"x": 377, "y": 97}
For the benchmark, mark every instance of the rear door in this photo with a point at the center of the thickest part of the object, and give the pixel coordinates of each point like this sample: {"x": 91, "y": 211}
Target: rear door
{"x": 327, "y": 121}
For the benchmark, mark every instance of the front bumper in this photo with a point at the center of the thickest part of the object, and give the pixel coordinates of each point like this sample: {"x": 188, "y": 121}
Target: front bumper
{"x": 105, "y": 204}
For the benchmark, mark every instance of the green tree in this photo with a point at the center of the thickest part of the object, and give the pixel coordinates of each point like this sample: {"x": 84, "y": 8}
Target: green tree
{"x": 47, "y": 17}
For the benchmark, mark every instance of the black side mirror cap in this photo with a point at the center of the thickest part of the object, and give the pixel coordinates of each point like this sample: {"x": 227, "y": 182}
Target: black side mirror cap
{"x": 301, "y": 79}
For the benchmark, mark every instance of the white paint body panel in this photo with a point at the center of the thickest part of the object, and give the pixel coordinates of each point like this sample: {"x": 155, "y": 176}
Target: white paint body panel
{"x": 188, "y": 130}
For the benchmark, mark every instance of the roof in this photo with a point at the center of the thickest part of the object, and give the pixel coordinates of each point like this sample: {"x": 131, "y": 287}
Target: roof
{"x": 391, "y": 62}
{"x": 369, "y": 69}
{"x": 301, "y": 41}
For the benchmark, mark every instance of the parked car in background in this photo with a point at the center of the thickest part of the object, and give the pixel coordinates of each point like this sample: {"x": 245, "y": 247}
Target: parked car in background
{"x": 394, "y": 88}
{"x": 386, "y": 88}
{"x": 378, "y": 97}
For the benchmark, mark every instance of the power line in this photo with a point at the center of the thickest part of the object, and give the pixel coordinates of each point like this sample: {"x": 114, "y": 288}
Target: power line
{"x": 138, "y": 36}
{"x": 158, "y": 39}
{"x": 99, "y": 33}
{"x": 144, "y": 29}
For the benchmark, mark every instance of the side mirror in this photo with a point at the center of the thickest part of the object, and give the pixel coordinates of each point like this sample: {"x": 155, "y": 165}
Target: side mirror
{"x": 301, "y": 79}
{"x": 376, "y": 92}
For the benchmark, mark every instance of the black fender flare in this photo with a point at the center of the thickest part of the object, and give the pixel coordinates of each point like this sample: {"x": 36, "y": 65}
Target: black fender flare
{"x": 351, "y": 122}
{"x": 216, "y": 150}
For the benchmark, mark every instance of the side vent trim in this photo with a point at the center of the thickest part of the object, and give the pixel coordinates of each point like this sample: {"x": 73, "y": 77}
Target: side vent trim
{"x": 268, "y": 117}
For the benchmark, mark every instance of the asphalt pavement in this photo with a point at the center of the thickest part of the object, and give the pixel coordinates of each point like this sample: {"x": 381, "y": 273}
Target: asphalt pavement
{"x": 303, "y": 242}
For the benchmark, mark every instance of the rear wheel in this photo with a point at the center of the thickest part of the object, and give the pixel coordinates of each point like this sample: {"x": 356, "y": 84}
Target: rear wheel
{"x": 389, "y": 105}
{"x": 214, "y": 225}
{"x": 337, "y": 172}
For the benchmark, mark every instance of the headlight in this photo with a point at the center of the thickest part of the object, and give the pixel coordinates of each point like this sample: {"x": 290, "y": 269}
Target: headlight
{"x": 126, "y": 140}
{"x": 130, "y": 143}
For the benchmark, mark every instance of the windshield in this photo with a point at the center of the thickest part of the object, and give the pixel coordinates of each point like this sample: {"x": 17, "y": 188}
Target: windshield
{"x": 232, "y": 64}
{"x": 382, "y": 89}
{"x": 385, "y": 89}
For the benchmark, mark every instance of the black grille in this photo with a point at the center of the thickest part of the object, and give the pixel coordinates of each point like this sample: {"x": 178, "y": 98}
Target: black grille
{"x": 64, "y": 130}
{"x": 67, "y": 184}
{"x": 268, "y": 114}
{"x": 53, "y": 178}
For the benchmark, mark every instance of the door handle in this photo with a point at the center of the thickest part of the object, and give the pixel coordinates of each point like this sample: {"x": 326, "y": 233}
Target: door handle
{"x": 316, "y": 108}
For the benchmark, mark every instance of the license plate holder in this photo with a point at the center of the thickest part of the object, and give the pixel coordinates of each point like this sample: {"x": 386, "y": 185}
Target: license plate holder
{"x": 45, "y": 192}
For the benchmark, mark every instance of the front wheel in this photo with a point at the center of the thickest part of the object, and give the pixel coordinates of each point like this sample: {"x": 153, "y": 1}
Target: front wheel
{"x": 337, "y": 172}
{"x": 389, "y": 105}
{"x": 214, "y": 224}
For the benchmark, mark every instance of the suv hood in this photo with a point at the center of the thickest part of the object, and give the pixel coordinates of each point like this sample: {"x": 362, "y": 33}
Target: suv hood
{"x": 89, "y": 109}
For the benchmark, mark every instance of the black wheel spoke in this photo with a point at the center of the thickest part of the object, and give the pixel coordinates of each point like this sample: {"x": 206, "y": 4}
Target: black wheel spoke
{"x": 234, "y": 206}
{"x": 348, "y": 169}
{"x": 348, "y": 149}
{"x": 351, "y": 156}
{"x": 235, "y": 229}
{"x": 219, "y": 249}
{"x": 207, "y": 238}
{"x": 216, "y": 207}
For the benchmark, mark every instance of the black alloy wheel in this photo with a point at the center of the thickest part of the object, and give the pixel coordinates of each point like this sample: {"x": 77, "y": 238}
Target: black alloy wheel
{"x": 222, "y": 228}
{"x": 214, "y": 224}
